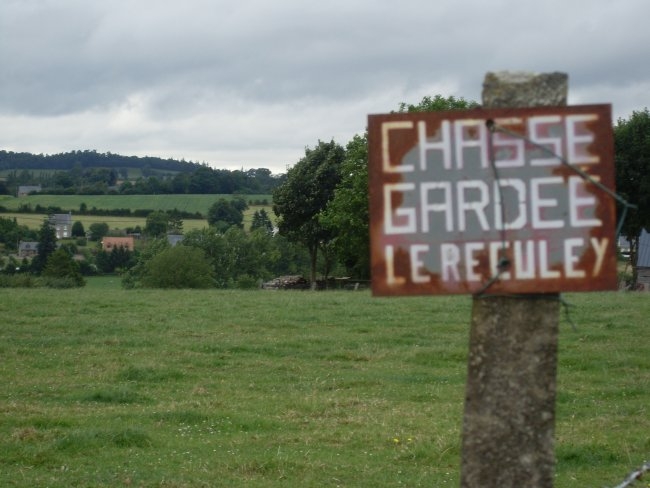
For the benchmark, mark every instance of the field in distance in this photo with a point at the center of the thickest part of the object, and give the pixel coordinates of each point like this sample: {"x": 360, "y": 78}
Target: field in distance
{"x": 186, "y": 203}
{"x": 72, "y": 203}
{"x": 34, "y": 221}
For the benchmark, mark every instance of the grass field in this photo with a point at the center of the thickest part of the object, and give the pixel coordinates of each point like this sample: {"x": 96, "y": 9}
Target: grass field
{"x": 187, "y": 203}
{"x": 34, "y": 221}
{"x": 105, "y": 388}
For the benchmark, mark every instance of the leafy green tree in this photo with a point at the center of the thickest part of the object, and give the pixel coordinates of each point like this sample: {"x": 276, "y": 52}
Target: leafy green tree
{"x": 127, "y": 188}
{"x": 223, "y": 214}
{"x": 178, "y": 267}
{"x": 12, "y": 265}
{"x": 98, "y": 230}
{"x": 46, "y": 246}
{"x": 62, "y": 270}
{"x": 308, "y": 189}
{"x": 233, "y": 254}
{"x": 347, "y": 214}
{"x": 239, "y": 203}
{"x": 261, "y": 220}
{"x": 241, "y": 258}
{"x": 174, "y": 223}
{"x": 119, "y": 258}
{"x": 11, "y": 233}
{"x": 78, "y": 229}
{"x": 133, "y": 277}
{"x": 207, "y": 240}
{"x": 238, "y": 258}
{"x": 438, "y": 103}
{"x": 157, "y": 224}
{"x": 289, "y": 258}
{"x": 63, "y": 179}
{"x": 180, "y": 183}
{"x": 632, "y": 159}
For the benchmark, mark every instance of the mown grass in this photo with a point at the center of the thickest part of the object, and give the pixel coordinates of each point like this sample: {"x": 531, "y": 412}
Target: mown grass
{"x": 108, "y": 387}
{"x": 35, "y": 221}
{"x": 187, "y": 203}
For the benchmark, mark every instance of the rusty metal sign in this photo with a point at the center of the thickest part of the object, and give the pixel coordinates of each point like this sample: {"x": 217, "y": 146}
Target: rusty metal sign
{"x": 495, "y": 201}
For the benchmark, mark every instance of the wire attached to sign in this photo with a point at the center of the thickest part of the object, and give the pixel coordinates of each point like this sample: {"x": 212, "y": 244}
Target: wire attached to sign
{"x": 494, "y": 127}
{"x": 504, "y": 263}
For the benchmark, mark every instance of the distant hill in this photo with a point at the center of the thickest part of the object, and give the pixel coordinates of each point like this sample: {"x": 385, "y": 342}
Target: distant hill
{"x": 90, "y": 172}
{"x": 89, "y": 159}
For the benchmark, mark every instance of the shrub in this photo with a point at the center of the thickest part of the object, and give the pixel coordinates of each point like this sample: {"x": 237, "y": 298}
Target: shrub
{"x": 178, "y": 267}
{"x": 247, "y": 282}
{"x": 19, "y": 280}
{"x": 66, "y": 282}
{"x": 61, "y": 271}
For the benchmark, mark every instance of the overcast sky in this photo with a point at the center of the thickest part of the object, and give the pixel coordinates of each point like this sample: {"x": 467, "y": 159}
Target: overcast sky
{"x": 251, "y": 83}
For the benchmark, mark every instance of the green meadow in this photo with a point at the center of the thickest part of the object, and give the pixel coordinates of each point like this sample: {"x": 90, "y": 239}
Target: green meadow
{"x": 187, "y": 203}
{"x": 104, "y": 387}
{"x": 34, "y": 221}
{"x": 72, "y": 203}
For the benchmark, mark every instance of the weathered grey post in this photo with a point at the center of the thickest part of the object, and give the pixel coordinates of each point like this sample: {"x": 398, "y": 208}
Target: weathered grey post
{"x": 509, "y": 418}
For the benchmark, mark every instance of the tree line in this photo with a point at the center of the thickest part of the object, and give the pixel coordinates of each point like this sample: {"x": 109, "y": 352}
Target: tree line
{"x": 322, "y": 219}
{"x": 92, "y": 173}
{"x": 222, "y": 255}
{"x": 90, "y": 159}
{"x": 324, "y": 202}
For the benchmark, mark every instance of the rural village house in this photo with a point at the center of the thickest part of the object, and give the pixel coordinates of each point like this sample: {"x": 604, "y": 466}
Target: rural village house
{"x": 174, "y": 239}
{"x": 643, "y": 261}
{"x": 24, "y": 190}
{"x": 624, "y": 246}
{"x": 27, "y": 249}
{"x": 110, "y": 243}
{"x": 62, "y": 224}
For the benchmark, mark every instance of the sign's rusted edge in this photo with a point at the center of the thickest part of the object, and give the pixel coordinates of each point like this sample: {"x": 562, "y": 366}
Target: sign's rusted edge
{"x": 572, "y": 248}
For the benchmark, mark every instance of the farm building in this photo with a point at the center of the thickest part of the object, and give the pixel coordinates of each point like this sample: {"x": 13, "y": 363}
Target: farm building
{"x": 624, "y": 246}
{"x": 24, "y": 190}
{"x": 62, "y": 224}
{"x": 174, "y": 239}
{"x": 110, "y": 243}
{"x": 643, "y": 261}
{"x": 27, "y": 249}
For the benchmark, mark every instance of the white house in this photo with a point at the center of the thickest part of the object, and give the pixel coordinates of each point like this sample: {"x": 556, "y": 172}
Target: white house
{"x": 643, "y": 261}
{"x": 62, "y": 224}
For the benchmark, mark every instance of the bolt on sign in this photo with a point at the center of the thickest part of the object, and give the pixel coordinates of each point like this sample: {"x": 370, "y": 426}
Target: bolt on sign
{"x": 490, "y": 200}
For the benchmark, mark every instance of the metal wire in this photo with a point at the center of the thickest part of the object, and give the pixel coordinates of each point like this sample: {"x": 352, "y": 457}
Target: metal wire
{"x": 494, "y": 127}
{"x": 635, "y": 476}
{"x": 504, "y": 263}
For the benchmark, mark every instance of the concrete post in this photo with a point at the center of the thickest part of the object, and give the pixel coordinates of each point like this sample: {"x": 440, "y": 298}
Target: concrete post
{"x": 509, "y": 418}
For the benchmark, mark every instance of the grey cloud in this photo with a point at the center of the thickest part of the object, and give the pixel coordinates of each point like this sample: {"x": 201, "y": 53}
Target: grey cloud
{"x": 152, "y": 71}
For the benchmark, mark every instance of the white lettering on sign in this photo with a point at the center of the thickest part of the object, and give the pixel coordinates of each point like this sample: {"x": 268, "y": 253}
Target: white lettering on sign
{"x": 459, "y": 261}
{"x": 448, "y": 216}
{"x": 443, "y": 146}
{"x": 478, "y": 201}
{"x": 385, "y": 147}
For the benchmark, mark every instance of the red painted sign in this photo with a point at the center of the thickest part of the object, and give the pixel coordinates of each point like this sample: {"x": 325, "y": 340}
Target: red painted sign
{"x": 499, "y": 200}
